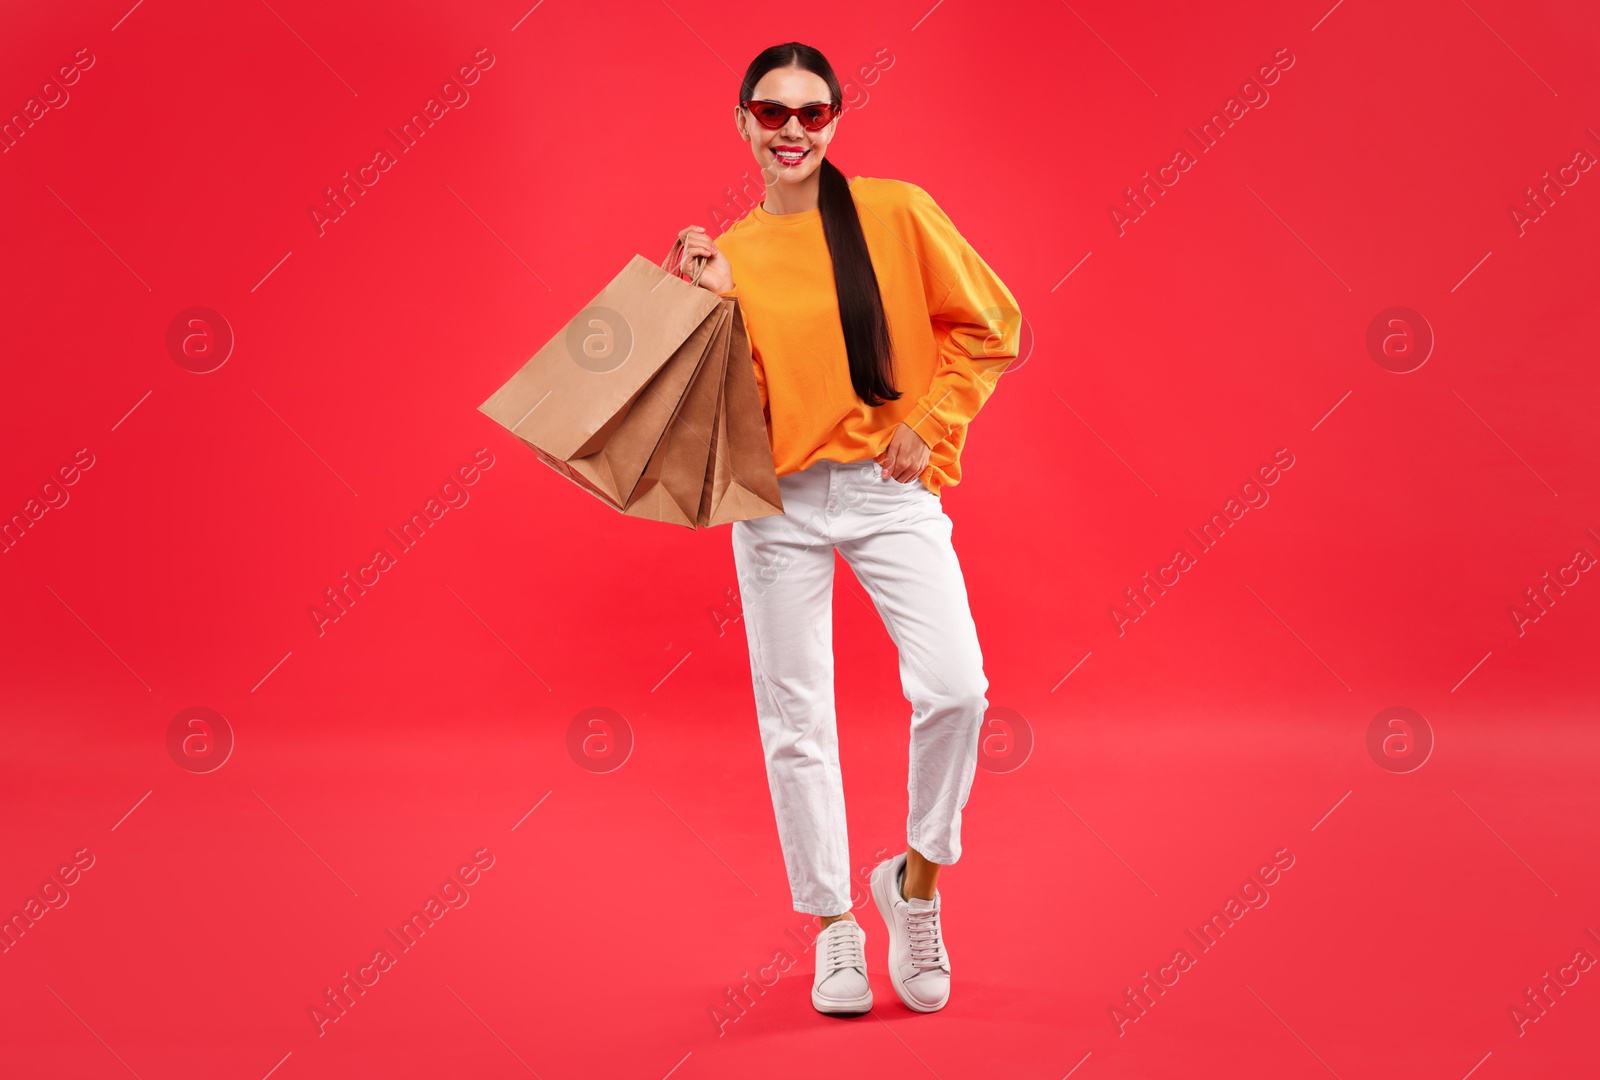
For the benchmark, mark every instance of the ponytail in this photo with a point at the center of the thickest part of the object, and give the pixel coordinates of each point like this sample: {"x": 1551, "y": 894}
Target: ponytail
{"x": 866, "y": 327}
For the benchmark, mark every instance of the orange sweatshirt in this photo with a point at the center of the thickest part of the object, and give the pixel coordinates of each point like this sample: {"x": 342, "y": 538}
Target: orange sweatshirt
{"x": 953, "y": 325}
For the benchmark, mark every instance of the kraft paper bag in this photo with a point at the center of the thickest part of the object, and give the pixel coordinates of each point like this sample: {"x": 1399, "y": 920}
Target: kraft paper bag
{"x": 743, "y": 483}
{"x": 671, "y": 488}
{"x": 571, "y": 398}
{"x": 631, "y": 401}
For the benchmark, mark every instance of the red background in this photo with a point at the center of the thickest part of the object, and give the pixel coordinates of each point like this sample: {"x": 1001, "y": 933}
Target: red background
{"x": 1229, "y": 722}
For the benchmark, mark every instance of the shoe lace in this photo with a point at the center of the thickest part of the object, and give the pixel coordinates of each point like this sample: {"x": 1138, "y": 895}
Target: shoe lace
{"x": 844, "y": 951}
{"x": 927, "y": 944}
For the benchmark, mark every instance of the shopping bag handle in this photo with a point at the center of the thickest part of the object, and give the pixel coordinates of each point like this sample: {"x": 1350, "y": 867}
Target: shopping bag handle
{"x": 673, "y": 263}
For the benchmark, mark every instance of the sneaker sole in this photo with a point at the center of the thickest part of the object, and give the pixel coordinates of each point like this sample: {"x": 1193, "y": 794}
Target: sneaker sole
{"x": 882, "y": 882}
{"x": 852, "y": 1007}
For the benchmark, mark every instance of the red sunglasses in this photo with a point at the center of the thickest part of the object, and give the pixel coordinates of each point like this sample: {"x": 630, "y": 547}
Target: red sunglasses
{"x": 770, "y": 114}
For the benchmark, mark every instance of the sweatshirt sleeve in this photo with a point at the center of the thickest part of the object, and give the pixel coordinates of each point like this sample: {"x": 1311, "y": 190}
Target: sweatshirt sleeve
{"x": 976, "y": 322}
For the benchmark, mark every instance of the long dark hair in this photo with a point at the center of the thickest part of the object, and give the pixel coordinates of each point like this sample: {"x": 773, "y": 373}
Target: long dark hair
{"x": 866, "y": 328}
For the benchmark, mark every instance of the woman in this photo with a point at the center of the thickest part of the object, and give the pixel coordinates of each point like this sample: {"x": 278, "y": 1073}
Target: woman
{"x": 848, "y": 289}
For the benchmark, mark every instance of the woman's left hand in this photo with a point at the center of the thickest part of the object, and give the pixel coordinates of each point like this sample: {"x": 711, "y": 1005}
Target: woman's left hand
{"x": 906, "y": 456}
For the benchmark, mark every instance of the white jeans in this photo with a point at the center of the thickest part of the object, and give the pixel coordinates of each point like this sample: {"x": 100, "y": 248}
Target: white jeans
{"x": 896, "y": 538}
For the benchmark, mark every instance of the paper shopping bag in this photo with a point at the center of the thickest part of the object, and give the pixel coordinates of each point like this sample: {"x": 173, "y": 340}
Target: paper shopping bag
{"x": 630, "y": 401}
{"x": 719, "y": 448}
{"x": 743, "y": 483}
{"x": 673, "y": 483}
{"x": 571, "y": 400}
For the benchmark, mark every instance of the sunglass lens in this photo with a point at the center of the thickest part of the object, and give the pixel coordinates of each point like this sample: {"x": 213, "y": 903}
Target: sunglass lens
{"x": 816, "y": 117}
{"x": 769, "y": 115}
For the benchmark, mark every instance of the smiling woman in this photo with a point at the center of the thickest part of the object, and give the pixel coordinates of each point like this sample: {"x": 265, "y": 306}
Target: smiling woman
{"x": 876, "y": 334}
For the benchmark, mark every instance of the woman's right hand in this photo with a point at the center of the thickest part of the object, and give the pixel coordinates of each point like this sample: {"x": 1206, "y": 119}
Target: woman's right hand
{"x": 718, "y": 272}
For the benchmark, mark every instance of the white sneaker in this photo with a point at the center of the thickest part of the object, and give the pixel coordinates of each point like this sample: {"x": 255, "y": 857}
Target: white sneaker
{"x": 918, "y": 964}
{"x": 840, "y": 986}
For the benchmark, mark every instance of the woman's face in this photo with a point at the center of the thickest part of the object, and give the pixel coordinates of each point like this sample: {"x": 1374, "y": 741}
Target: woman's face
{"x": 794, "y": 87}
